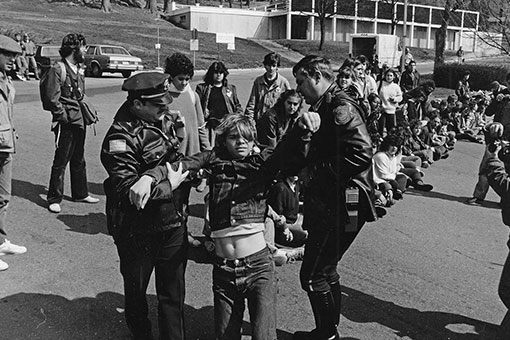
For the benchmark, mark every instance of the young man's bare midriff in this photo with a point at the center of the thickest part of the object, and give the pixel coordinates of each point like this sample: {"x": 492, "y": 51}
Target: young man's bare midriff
{"x": 239, "y": 246}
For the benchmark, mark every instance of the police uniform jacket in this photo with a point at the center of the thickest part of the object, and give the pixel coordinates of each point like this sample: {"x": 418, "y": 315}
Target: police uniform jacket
{"x": 339, "y": 155}
{"x": 130, "y": 148}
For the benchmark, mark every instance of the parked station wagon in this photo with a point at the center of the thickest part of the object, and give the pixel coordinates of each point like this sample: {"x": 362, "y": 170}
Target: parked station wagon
{"x": 107, "y": 58}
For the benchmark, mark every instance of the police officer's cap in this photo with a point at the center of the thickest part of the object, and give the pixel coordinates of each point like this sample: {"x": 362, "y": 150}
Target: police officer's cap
{"x": 151, "y": 86}
{"x": 9, "y": 45}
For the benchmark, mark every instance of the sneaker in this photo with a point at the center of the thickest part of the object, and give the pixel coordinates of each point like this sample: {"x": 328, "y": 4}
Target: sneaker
{"x": 54, "y": 208}
{"x": 7, "y": 248}
{"x": 88, "y": 199}
{"x": 3, "y": 265}
{"x": 474, "y": 201}
{"x": 425, "y": 164}
{"x": 295, "y": 254}
{"x": 422, "y": 186}
{"x": 279, "y": 257}
{"x": 398, "y": 195}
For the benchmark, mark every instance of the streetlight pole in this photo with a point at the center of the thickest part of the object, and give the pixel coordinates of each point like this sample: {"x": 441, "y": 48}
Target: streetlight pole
{"x": 404, "y": 35}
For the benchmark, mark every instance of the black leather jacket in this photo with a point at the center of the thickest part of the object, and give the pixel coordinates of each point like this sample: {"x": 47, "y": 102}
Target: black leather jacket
{"x": 131, "y": 147}
{"x": 340, "y": 155}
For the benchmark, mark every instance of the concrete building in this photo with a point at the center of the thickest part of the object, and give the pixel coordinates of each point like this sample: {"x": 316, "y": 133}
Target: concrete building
{"x": 296, "y": 19}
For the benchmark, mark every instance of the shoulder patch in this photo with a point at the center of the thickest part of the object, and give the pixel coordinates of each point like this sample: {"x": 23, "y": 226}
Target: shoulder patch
{"x": 343, "y": 113}
{"x": 117, "y": 145}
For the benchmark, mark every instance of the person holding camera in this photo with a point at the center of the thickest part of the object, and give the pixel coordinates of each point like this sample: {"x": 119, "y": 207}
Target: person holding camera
{"x": 497, "y": 154}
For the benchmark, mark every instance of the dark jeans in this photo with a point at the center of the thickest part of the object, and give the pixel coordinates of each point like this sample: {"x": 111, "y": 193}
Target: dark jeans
{"x": 252, "y": 278}
{"x": 166, "y": 252}
{"x": 70, "y": 141}
{"x": 387, "y": 120}
{"x": 323, "y": 250}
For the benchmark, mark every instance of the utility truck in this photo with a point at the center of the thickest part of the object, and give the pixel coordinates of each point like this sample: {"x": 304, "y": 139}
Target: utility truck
{"x": 387, "y": 47}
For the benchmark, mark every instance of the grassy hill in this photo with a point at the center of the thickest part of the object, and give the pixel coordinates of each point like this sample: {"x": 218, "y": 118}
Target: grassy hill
{"x": 47, "y": 21}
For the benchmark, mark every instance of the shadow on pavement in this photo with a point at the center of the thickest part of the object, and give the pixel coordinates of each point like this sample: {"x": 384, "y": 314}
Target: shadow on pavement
{"x": 443, "y": 196}
{"x": 30, "y": 191}
{"x": 412, "y": 323}
{"x": 197, "y": 210}
{"x": 29, "y": 316}
{"x": 96, "y": 189}
{"x": 92, "y": 223}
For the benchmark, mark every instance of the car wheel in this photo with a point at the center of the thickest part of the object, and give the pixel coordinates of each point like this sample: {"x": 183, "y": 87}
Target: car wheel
{"x": 95, "y": 70}
{"x": 126, "y": 74}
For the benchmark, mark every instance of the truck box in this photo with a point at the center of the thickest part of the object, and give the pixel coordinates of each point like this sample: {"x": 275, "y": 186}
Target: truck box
{"x": 386, "y": 46}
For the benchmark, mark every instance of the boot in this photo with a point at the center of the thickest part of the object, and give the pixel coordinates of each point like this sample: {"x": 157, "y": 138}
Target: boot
{"x": 336, "y": 291}
{"x": 324, "y": 312}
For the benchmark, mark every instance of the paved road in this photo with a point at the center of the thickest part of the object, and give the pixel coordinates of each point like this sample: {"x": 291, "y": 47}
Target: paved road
{"x": 427, "y": 271}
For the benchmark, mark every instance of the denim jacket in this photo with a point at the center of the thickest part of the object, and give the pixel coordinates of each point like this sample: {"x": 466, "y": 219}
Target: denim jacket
{"x": 237, "y": 187}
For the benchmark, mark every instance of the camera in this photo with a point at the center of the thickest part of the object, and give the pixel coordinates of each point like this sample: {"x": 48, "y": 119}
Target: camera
{"x": 504, "y": 152}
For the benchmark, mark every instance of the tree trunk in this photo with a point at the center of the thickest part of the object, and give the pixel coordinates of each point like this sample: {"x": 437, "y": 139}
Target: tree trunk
{"x": 441, "y": 34}
{"x": 322, "y": 22}
{"x": 152, "y": 6}
{"x": 106, "y": 6}
{"x": 166, "y": 6}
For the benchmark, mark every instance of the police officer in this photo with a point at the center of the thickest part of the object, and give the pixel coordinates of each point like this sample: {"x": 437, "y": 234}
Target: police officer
{"x": 154, "y": 236}
{"x": 340, "y": 154}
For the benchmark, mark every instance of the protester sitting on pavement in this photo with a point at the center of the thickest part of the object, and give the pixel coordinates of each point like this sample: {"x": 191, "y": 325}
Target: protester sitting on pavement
{"x": 345, "y": 80}
{"x": 412, "y": 144}
{"x": 463, "y": 123}
{"x": 149, "y": 235}
{"x": 267, "y": 88}
{"x": 463, "y": 90}
{"x": 391, "y": 95}
{"x": 430, "y": 136}
{"x": 238, "y": 177}
{"x": 60, "y": 96}
{"x": 279, "y": 119}
{"x": 283, "y": 198}
{"x": 416, "y": 106}
{"x": 389, "y": 174}
{"x": 218, "y": 97}
{"x": 8, "y": 51}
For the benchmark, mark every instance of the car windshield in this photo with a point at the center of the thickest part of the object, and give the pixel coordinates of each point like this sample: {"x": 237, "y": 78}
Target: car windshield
{"x": 114, "y": 50}
{"x": 50, "y": 51}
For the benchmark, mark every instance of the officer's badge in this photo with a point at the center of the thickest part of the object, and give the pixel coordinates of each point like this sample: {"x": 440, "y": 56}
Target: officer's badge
{"x": 229, "y": 93}
{"x": 343, "y": 114}
{"x": 117, "y": 145}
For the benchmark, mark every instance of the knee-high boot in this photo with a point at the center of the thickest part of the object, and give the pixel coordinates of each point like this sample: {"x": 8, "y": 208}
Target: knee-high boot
{"x": 324, "y": 311}
{"x": 336, "y": 291}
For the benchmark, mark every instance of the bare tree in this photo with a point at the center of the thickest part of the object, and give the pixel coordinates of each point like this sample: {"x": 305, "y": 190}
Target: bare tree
{"x": 166, "y": 6}
{"x": 494, "y": 23}
{"x": 106, "y": 6}
{"x": 394, "y": 17}
{"x": 152, "y": 6}
{"x": 324, "y": 9}
{"x": 450, "y": 6}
